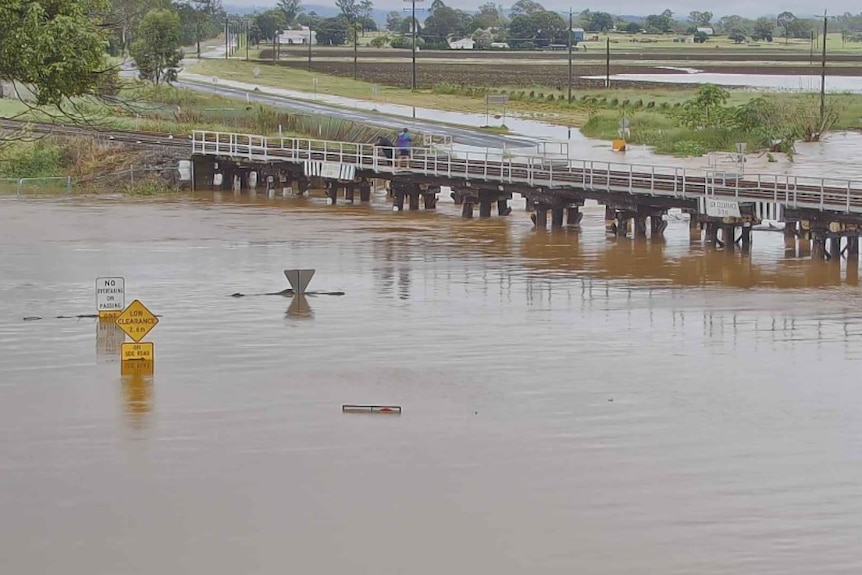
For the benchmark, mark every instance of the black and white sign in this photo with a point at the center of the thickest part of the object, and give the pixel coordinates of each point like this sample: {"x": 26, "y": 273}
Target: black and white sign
{"x": 110, "y": 294}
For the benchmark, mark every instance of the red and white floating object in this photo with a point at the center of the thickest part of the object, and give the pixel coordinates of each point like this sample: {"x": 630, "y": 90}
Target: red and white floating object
{"x": 385, "y": 409}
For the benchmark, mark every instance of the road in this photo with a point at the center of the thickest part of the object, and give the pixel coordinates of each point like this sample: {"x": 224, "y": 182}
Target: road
{"x": 460, "y": 135}
{"x": 464, "y": 136}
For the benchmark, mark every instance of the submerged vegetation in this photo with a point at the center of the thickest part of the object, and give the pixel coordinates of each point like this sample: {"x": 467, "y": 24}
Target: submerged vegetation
{"x": 707, "y": 123}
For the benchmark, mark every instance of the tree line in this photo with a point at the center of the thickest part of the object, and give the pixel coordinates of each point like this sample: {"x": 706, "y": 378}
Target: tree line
{"x": 528, "y": 24}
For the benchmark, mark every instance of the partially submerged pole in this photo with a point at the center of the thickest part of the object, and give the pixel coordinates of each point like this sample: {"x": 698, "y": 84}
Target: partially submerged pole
{"x": 823, "y": 77}
{"x": 570, "y": 57}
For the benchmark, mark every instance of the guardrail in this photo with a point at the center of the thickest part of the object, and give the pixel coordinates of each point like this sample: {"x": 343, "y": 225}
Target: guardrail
{"x": 25, "y": 187}
{"x": 825, "y": 194}
{"x": 21, "y": 185}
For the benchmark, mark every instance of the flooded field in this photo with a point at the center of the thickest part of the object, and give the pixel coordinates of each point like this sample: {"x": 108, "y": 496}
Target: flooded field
{"x": 572, "y": 403}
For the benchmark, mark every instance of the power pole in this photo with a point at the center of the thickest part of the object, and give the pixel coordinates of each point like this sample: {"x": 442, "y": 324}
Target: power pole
{"x": 355, "y": 47}
{"x": 309, "y": 46}
{"x": 413, "y": 25}
{"x": 608, "y": 63}
{"x": 226, "y": 39}
{"x": 823, "y": 75}
{"x": 570, "y": 56}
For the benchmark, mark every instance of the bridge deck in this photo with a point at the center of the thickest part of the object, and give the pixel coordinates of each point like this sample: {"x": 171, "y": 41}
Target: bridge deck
{"x": 823, "y": 194}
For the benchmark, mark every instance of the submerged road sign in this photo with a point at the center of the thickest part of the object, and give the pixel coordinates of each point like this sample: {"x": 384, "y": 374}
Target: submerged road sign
{"x": 299, "y": 279}
{"x": 137, "y": 321}
{"x": 110, "y": 296}
{"x": 138, "y": 351}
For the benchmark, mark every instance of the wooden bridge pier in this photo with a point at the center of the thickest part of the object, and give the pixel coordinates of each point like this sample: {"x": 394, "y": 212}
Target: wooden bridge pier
{"x": 574, "y": 215}
{"x": 416, "y": 194}
{"x": 622, "y": 220}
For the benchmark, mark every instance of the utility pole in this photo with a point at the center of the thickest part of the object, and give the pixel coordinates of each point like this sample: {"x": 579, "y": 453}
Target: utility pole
{"x": 309, "y": 46}
{"x": 226, "y": 39}
{"x": 570, "y": 56}
{"x": 823, "y": 75}
{"x": 355, "y": 47}
{"x": 413, "y": 25}
{"x": 608, "y": 63}
{"x": 247, "y": 37}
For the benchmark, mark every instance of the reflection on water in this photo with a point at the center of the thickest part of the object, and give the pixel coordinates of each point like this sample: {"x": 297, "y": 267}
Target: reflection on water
{"x": 138, "y": 398}
{"x": 566, "y": 395}
{"x": 109, "y": 339}
{"x": 299, "y": 307}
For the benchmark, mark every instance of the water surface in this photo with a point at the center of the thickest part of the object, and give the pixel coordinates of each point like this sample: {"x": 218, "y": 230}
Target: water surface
{"x": 572, "y": 403}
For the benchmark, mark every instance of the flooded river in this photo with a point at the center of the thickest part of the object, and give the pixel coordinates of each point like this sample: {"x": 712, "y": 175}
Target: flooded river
{"x": 572, "y": 403}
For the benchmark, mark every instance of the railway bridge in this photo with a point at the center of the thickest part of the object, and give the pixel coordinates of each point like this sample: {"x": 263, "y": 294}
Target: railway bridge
{"x": 723, "y": 206}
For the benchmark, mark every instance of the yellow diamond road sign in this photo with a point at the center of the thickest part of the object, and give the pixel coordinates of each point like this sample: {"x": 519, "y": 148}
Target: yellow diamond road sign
{"x": 137, "y": 321}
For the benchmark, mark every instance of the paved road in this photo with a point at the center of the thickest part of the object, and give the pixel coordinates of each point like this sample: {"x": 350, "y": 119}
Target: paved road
{"x": 460, "y": 135}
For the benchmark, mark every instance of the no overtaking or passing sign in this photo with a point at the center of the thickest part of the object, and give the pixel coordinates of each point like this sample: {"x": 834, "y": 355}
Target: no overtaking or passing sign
{"x": 110, "y": 295}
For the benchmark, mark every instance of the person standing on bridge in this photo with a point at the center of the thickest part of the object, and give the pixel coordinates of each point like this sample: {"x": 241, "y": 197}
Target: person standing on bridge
{"x": 404, "y": 142}
{"x": 386, "y": 147}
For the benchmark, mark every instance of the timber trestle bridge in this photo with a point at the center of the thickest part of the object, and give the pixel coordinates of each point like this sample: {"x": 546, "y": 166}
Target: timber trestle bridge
{"x": 723, "y": 206}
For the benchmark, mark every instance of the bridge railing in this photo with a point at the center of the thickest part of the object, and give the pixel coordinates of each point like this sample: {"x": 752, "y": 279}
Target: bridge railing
{"x": 546, "y": 171}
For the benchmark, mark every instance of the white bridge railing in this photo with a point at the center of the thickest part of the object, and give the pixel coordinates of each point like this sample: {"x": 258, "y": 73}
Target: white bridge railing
{"x": 543, "y": 171}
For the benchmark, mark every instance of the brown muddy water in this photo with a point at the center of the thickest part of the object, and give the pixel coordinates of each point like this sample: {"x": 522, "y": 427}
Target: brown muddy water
{"x": 572, "y": 403}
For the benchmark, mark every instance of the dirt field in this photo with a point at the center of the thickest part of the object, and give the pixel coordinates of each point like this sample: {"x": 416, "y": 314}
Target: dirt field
{"x": 594, "y": 52}
{"x": 555, "y": 76}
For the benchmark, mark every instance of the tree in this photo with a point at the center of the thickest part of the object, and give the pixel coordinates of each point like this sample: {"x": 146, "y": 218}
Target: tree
{"x": 393, "y": 21}
{"x": 366, "y": 20}
{"x": 550, "y": 28}
{"x": 632, "y": 28}
{"x": 123, "y": 18}
{"x": 379, "y": 41}
{"x": 599, "y": 22}
{"x": 763, "y": 29}
{"x": 202, "y": 14}
{"x": 700, "y": 37}
{"x": 443, "y": 23}
{"x": 732, "y": 22}
{"x": 333, "y": 31}
{"x": 785, "y": 20}
{"x": 704, "y": 110}
{"x": 737, "y": 36}
{"x": 270, "y": 22}
{"x": 56, "y": 48}
{"x": 291, "y": 9}
{"x": 310, "y": 19}
{"x": 349, "y": 9}
{"x": 521, "y": 30}
{"x": 488, "y": 16}
{"x": 700, "y": 19}
{"x": 483, "y": 38}
{"x": 526, "y": 8}
{"x": 659, "y": 23}
{"x": 156, "y": 50}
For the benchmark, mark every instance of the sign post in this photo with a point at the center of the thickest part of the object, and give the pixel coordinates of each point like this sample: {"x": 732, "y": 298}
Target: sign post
{"x": 299, "y": 279}
{"x": 110, "y": 297}
{"x": 495, "y": 99}
{"x": 137, "y": 321}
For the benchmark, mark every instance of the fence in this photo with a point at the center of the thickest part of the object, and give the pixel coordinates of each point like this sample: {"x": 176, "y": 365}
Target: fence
{"x": 136, "y": 180}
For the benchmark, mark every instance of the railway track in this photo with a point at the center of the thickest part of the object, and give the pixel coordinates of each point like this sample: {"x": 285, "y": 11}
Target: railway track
{"x": 144, "y": 139}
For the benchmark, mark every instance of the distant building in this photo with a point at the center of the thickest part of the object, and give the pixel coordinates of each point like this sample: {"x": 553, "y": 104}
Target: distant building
{"x": 578, "y": 34}
{"x": 462, "y": 44}
{"x": 499, "y": 45}
{"x": 296, "y": 36}
{"x": 706, "y": 30}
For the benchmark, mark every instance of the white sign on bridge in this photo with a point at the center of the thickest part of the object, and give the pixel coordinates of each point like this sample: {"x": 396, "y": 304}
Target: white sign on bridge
{"x": 110, "y": 295}
{"x": 721, "y": 208}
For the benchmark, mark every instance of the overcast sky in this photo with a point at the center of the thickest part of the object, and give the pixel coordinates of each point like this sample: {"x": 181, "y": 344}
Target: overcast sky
{"x": 637, "y": 7}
